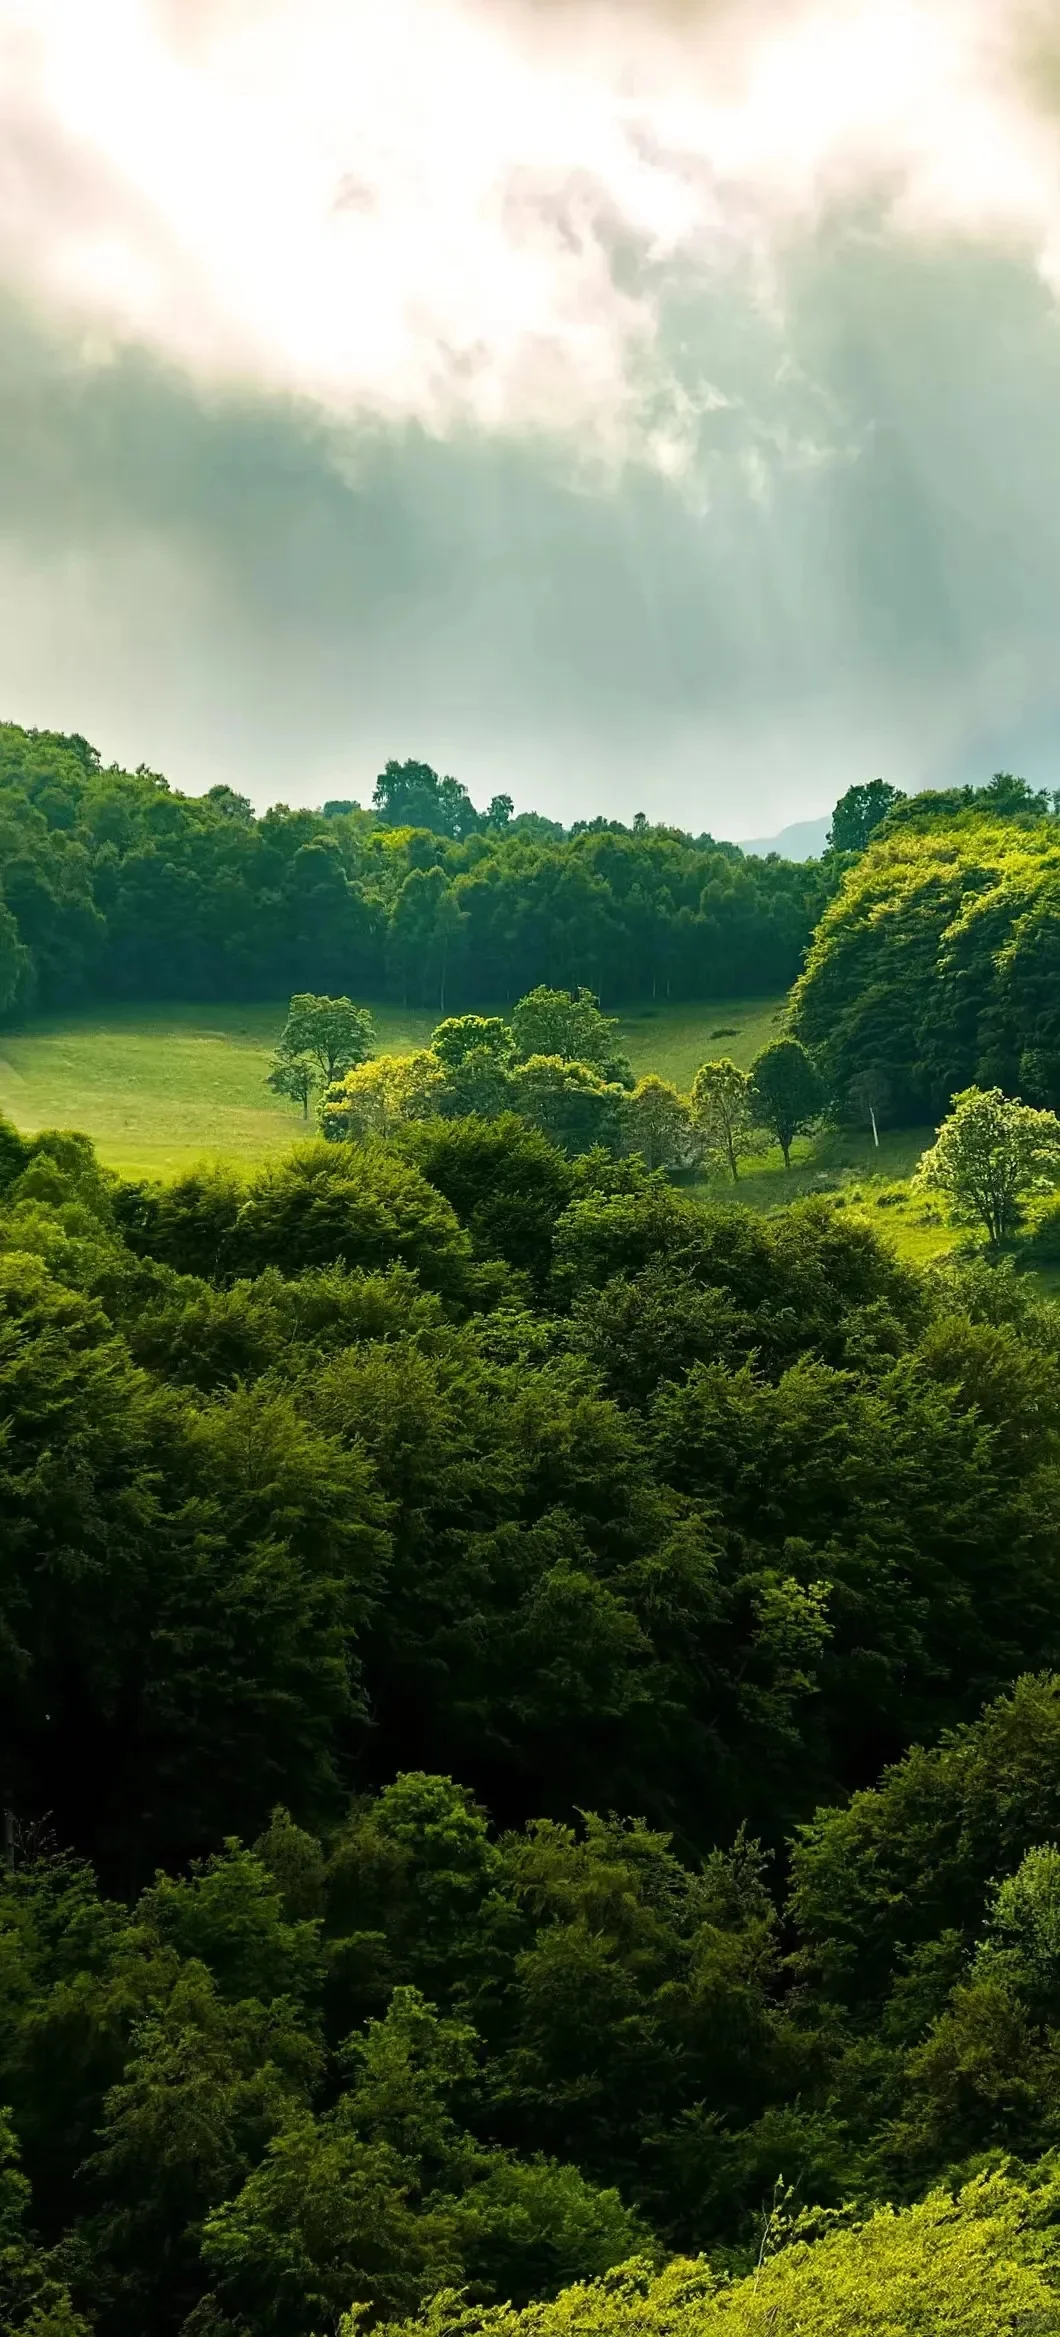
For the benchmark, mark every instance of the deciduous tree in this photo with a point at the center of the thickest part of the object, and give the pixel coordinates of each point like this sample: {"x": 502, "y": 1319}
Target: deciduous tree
{"x": 721, "y": 1110}
{"x": 859, "y": 813}
{"x": 658, "y": 1122}
{"x": 294, "y": 1076}
{"x": 786, "y": 1091}
{"x": 378, "y": 1097}
{"x": 990, "y": 1155}
{"x": 335, "y": 1032}
{"x": 569, "y": 1024}
{"x": 572, "y": 1103}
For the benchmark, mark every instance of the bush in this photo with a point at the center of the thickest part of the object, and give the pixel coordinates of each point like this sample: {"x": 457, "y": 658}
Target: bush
{"x": 1042, "y": 1243}
{"x": 981, "y": 2265}
{"x": 349, "y": 1204}
{"x": 507, "y": 1183}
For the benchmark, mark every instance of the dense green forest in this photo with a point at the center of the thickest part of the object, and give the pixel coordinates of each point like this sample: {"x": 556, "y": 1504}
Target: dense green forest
{"x": 531, "y": 1713}
{"x": 114, "y": 885}
{"x": 530, "y": 1718}
{"x": 937, "y": 963}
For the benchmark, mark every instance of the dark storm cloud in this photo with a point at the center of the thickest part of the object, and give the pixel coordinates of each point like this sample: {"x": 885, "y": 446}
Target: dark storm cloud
{"x": 235, "y": 590}
{"x": 637, "y": 406}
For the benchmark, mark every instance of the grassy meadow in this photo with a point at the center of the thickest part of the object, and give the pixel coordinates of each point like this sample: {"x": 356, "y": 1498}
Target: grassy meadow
{"x": 161, "y": 1087}
{"x": 875, "y": 1179}
{"x": 158, "y": 1087}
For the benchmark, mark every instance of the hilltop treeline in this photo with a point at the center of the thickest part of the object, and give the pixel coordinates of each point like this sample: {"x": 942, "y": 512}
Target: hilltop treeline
{"x": 114, "y": 885}
{"x": 457, "y": 1602}
{"x": 937, "y": 963}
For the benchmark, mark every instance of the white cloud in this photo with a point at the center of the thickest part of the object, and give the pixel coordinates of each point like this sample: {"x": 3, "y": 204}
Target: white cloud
{"x": 455, "y": 211}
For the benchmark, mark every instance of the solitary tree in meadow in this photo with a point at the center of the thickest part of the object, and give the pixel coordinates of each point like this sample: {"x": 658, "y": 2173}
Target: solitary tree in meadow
{"x": 786, "y": 1091}
{"x": 294, "y": 1076}
{"x": 721, "y": 1111}
{"x": 990, "y": 1155}
{"x": 333, "y": 1031}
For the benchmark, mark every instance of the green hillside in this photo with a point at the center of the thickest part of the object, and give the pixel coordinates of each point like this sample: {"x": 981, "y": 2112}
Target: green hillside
{"x": 159, "y": 1086}
{"x": 530, "y": 1717}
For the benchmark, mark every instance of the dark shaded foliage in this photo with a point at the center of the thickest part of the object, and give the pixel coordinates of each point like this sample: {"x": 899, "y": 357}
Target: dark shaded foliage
{"x": 373, "y": 1529}
{"x": 115, "y": 885}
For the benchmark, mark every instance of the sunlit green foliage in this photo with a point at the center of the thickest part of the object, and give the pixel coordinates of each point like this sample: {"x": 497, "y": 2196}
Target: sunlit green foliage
{"x": 984, "y": 2265}
{"x": 990, "y": 1155}
{"x": 936, "y": 964}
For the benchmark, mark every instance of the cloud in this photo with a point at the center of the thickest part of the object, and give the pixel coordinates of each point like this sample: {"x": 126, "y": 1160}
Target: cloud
{"x": 191, "y": 578}
{"x": 636, "y": 406}
{"x": 466, "y": 214}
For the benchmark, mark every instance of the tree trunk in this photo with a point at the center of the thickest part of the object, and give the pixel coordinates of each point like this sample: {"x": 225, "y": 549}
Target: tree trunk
{"x": 786, "y": 1150}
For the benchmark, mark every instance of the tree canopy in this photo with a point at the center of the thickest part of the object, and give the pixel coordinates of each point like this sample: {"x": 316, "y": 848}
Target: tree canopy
{"x": 935, "y": 966}
{"x": 530, "y": 1706}
{"x": 859, "y": 813}
{"x": 722, "y": 1110}
{"x": 333, "y": 1032}
{"x": 988, "y": 1157}
{"x": 115, "y": 885}
{"x": 785, "y": 1090}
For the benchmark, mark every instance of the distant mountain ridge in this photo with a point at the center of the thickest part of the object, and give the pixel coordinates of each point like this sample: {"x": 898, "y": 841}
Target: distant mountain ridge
{"x": 804, "y": 840}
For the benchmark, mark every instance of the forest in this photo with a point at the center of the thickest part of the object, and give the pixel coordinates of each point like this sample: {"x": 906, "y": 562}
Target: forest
{"x": 116, "y": 886}
{"x": 530, "y": 1720}
{"x": 936, "y": 963}
{"x": 532, "y": 1717}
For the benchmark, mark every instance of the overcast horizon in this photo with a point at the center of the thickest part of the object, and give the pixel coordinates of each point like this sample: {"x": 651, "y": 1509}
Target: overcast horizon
{"x": 629, "y": 407}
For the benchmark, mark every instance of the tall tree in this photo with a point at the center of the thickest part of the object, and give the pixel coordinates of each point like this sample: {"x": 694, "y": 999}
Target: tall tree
{"x": 572, "y": 1103}
{"x": 988, "y": 1157}
{"x": 721, "y": 1108}
{"x": 568, "y": 1023}
{"x": 466, "y": 1034}
{"x": 376, "y": 1098}
{"x": 657, "y": 1122}
{"x": 786, "y": 1091}
{"x": 294, "y": 1076}
{"x": 859, "y": 813}
{"x": 412, "y": 795}
{"x": 335, "y": 1032}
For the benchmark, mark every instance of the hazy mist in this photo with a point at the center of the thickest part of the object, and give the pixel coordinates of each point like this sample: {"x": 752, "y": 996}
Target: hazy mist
{"x": 635, "y": 408}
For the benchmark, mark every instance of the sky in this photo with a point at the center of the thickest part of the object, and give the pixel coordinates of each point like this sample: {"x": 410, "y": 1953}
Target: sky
{"x": 628, "y": 406}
